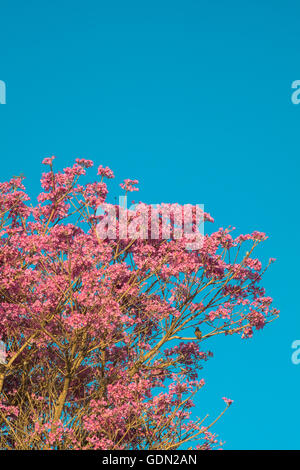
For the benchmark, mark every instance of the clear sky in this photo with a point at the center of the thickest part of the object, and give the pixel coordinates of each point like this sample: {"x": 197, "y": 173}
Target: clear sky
{"x": 193, "y": 98}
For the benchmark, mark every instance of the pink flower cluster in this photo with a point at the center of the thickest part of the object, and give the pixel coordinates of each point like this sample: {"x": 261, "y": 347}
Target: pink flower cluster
{"x": 101, "y": 349}
{"x": 129, "y": 185}
{"x": 107, "y": 172}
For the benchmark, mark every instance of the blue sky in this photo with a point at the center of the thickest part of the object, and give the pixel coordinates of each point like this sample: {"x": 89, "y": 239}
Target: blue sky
{"x": 193, "y": 99}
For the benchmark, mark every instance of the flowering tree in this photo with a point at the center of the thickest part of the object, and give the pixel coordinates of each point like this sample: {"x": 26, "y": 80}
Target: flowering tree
{"x": 105, "y": 336}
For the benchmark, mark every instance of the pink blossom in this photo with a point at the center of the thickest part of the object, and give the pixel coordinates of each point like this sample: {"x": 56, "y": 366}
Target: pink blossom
{"x": 128, "y": 185}
{"x": 99, "y": 332}
{"x": 48, "y": 160}
{"x": 228, "y": 401}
